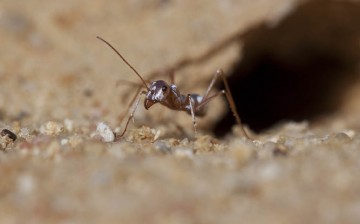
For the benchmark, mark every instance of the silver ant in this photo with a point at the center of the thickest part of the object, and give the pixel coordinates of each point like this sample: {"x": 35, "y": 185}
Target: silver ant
{"x": 168, "y": 95}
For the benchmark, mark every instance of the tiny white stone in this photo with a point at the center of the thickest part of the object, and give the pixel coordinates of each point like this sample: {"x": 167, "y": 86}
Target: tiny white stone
{"x": 64, "y": 141}
{"x": 350, "y": 133}
{"x": 105, "y": 132}
{"x": 69, "y": 125}
{"x": 24, "y": 132}
{"x": 184, "y": 152}
{"x": 157, "y": 135}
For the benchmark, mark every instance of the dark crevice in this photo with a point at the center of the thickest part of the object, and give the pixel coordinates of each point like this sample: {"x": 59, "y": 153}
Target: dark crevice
{"x": 298, "y": 70}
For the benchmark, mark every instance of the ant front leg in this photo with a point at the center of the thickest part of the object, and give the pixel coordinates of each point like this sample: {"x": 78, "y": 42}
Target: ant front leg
{"x": 123, "y": 114}
{"x": 135, "y": 104}
{"x": 206, "y": 99}
{"x": 192, "y": 113}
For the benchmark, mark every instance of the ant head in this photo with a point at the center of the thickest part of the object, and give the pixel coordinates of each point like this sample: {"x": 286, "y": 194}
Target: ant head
{"x": 158, "y": 92}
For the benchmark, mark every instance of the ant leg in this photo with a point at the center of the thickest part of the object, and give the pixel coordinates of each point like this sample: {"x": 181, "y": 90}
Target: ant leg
{"x": 192, "y": 113}
{"x": 136, "y": 104}
{"x": 215, "y": 77}
{"x": 208, "y": 99}
{"x": 228, "y": 95}
{"x": 122, "y": 116}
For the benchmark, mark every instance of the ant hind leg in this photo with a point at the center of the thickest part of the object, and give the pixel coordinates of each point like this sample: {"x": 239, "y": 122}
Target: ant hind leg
{"x": 206, "y": 99}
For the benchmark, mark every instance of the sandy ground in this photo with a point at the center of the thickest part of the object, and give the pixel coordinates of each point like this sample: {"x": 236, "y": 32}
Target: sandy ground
{"x": 58, "y": 83}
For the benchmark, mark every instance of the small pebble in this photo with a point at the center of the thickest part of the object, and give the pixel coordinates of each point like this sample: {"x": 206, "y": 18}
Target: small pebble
{"x": 69, "y": 125}
{"x": 64, "y": 141}
{"x": 105, "y": 132}
{"x": 52, "y": 128}
{"x": 342, "y": 137}
{"x": 350, "y": 133}
{"x": 161, "y": 146}
{"x": 25, "y": 133}
{"x": 7, "y": 138}
{"x": 184, "y": 152}
{"x": 9, "y": 134}
{"x": 157, "y": 135}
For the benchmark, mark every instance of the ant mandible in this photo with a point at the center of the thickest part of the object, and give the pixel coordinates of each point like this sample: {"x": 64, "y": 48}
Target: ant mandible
{"x": 168, "y": 95}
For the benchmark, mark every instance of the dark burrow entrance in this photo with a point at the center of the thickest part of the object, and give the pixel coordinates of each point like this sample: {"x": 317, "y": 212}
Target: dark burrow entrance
{"x": 298, "y": 70}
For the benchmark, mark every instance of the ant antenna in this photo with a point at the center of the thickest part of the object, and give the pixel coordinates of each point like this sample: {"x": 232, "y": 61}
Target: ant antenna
{"x": 117, "y": 52}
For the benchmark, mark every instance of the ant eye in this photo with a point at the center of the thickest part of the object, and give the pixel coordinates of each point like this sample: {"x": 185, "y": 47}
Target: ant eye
{"x": 164, "y": 88}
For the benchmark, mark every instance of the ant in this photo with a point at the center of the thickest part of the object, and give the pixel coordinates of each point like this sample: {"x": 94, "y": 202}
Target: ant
{"x": 168, "y": 95}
